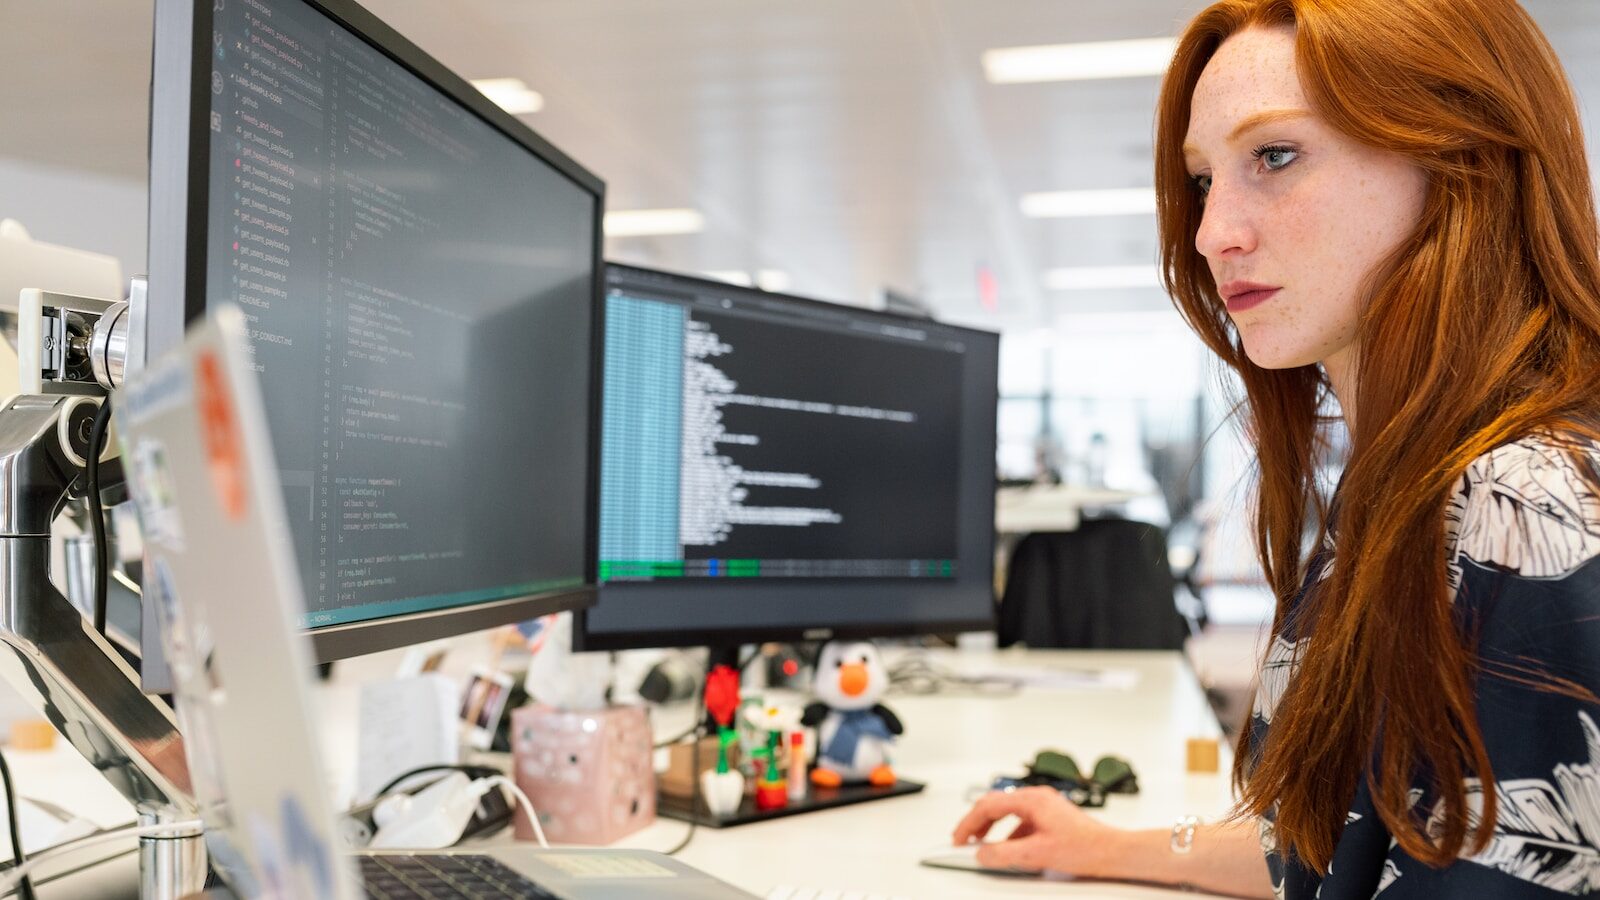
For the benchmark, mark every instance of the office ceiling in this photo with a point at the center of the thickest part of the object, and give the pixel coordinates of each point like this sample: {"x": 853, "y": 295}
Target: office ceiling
{"x": 851, "y": 145}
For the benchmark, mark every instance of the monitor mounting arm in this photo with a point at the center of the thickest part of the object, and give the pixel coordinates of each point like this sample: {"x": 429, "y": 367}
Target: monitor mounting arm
{"x": 57, "y": 661}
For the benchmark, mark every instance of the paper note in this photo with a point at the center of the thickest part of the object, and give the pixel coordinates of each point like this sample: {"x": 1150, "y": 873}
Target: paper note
{"x": 405, "y": 723}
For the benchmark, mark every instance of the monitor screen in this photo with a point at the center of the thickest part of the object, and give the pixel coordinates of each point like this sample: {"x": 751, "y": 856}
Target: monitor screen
{"x": 419, "y": 272}
{"x": 777, "y": 467}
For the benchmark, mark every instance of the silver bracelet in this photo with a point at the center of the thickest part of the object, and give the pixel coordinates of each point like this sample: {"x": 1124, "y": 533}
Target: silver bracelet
{"x": 1183, "y": 833}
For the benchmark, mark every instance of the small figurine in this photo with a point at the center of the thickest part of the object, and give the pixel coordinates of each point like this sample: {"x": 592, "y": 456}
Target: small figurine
{"x": 722, "y": 786}
{"x": 774, "y": 720}
{"x": 854, "y": 730}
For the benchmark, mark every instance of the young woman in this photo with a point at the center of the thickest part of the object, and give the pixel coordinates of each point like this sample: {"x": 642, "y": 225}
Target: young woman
{"x": 1387, "y": 203}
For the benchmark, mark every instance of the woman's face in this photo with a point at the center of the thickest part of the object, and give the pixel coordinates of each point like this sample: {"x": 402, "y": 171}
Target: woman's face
{"x": 1297, "y": 215}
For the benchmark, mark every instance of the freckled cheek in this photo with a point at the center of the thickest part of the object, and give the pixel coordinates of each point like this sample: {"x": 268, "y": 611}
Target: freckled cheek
{"x": 1297, "y": 233}
{"x": 1315, "y": 218}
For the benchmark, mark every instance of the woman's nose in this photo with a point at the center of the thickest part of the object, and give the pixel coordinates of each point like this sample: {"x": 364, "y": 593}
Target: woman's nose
{"x": 1227, "y": 225}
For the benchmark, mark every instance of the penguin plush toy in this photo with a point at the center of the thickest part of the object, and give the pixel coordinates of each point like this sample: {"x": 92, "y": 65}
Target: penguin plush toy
{"x": 854, "y": 730}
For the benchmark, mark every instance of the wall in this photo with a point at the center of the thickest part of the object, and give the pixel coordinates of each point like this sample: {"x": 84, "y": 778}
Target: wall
{"x": 79, "y": 209}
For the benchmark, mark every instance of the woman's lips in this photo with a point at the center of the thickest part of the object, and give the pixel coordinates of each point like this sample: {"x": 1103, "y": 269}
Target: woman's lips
{"x": 1250, "y": 299}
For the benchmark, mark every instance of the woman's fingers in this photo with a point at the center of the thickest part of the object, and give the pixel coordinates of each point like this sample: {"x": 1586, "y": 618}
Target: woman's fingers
{"x": 991, "y": 808}
{"x": 1027, "y": 854}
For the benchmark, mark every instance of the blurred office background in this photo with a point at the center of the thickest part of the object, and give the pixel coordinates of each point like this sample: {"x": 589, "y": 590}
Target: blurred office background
{"x": 837, "y": 148}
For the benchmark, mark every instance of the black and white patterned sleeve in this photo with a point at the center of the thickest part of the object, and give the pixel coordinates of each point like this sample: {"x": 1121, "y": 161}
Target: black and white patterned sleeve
{"x": 1523, "y": 543}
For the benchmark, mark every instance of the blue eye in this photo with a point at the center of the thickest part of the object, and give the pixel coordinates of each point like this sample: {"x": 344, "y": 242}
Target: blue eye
{"x": 1275, "y": 157}
{"x": 1202, "y": 183}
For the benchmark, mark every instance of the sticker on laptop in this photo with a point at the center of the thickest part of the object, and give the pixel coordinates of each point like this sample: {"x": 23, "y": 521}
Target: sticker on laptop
{"x": 219, "y": 431}
{"x": 164, "y": 386}
{"x": 196, "y": 686}
{"x": 292, "y": 862}
{"x": 308, "y": 848}
{"x": 153, "y": 494}
{"x": 271, "y": 869}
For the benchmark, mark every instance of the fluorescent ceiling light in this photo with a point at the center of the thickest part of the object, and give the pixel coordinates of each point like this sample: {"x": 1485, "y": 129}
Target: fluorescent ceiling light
{"x": 641, "y": 222}
{"x": 1075, "y": 204}
{"x": 731, "y": 276}
{"x": 773, "y": 280}
{"x": 1098, "y": 278}
{"x": 510, "y": 94}
{"x": 1076, "y": 62}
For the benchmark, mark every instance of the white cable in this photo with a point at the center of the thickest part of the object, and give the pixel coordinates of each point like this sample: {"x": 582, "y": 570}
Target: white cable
{"x": 527, "y": 805}
{"x": 15, "y": 876}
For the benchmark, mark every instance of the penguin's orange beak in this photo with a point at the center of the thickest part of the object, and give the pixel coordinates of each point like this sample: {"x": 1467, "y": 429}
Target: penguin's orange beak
{"x": 853, "y": 679}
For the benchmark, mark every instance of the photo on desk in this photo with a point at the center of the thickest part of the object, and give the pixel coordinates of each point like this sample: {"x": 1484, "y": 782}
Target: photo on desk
{"x": 482, "y": 705}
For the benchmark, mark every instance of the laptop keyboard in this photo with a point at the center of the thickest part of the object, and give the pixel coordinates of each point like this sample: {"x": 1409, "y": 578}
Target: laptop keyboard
{"x": 448, "y": 875}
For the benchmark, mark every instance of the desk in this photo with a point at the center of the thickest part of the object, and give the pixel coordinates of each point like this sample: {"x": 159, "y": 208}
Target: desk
{"x": 1050, "y": 507}
{"x": 954, "y": 742}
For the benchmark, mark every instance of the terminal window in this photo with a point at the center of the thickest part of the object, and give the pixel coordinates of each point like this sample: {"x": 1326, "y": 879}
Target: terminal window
{"x": 751, "y": 436}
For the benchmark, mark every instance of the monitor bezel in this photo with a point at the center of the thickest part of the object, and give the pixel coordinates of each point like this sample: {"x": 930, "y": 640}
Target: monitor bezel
{"x": 584, "y": 639}
{"x": 179, "y": 212}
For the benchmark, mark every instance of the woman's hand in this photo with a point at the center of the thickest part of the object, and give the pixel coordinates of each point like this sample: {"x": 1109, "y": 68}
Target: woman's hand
{"x": 1054, "y": 834}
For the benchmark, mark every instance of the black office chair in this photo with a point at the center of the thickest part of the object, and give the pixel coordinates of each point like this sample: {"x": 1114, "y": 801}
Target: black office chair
{"x": 1107, "y": 585}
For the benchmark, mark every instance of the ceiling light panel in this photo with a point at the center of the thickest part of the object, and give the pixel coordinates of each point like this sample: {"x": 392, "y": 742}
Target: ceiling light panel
{"x": 649, "y": 222}
{"x": 1078, "y": 62}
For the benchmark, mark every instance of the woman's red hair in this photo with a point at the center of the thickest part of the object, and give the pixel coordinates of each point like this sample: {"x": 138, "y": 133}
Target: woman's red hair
{"x": 1482, "y": 328}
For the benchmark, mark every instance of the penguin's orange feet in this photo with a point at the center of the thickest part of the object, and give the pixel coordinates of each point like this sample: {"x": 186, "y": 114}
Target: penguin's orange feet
{"x": 882, "y": 776}
{"x": 826, "y": 778}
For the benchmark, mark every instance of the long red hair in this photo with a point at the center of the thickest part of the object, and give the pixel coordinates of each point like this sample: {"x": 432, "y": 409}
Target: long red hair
{"x": 1482, "y": 328}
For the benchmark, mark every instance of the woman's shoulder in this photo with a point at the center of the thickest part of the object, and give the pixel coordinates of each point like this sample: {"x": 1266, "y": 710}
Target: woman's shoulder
{"x": 1529, "y": 507}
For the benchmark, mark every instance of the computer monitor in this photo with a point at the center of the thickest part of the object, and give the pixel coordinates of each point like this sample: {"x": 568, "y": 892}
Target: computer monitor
{"x": 420, "y": 272}
{"x": 778, "y": 468}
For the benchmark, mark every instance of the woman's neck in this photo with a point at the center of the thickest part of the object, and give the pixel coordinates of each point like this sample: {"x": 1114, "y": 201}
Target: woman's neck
{"x": 1340, "y": 367}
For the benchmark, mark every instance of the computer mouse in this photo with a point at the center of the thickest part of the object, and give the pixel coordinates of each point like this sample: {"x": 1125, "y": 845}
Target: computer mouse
{"x": 965, "y": 858}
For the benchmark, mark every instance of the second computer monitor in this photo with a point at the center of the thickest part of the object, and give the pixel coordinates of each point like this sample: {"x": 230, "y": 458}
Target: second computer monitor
{"x": 775, "y": 468}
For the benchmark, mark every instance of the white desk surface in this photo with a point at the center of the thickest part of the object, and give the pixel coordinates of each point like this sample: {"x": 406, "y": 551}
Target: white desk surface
{"x": 953, "y": 742}
{"x": 956, "y": 744}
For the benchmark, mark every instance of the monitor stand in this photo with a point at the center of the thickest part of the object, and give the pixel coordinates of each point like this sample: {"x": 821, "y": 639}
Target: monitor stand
{"x": 692, "y": 808}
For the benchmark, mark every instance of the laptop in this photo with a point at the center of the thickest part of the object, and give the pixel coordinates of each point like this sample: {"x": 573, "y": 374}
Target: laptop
{"x": 222, "y": 573}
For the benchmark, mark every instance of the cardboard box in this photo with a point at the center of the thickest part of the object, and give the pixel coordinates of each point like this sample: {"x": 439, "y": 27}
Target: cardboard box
{"x": 676, "y": 781}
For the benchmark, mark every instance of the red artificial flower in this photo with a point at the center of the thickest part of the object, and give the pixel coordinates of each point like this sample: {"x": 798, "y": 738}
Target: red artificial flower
{"x": 722, "y": 694}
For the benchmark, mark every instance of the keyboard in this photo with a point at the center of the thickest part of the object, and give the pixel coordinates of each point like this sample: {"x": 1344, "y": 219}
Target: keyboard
{"x": 446, "y": 875}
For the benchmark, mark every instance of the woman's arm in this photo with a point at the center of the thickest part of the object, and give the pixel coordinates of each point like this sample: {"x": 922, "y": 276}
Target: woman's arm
{"x": 1056, "y": 835}
{"x": 1224, "y": 859}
